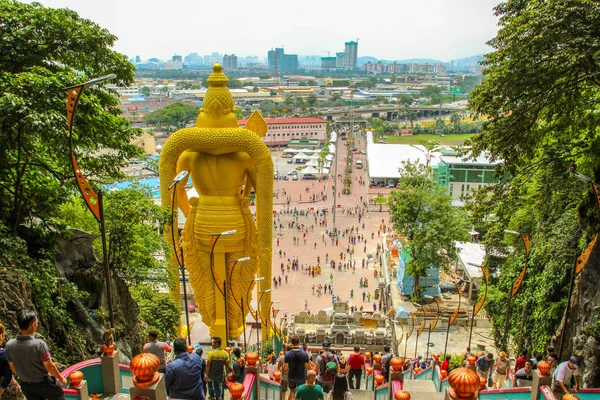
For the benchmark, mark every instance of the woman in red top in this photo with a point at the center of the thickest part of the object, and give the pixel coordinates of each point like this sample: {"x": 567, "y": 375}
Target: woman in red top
{"x": 446, "y": 364}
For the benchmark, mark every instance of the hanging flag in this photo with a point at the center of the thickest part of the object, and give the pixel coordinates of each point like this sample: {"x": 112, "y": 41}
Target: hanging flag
{"x": 401, "y": 335}
{"x": 437, "y": 315}
{"x": 517, "y": 284}
{"x": 424, "y": 322}
{"x": 482, "y": 299}
{"x": 597, "y": 191}
{"x": 455, "y": 314}
{"x": 526, "y": 243}
{"x": 584, "y": 257}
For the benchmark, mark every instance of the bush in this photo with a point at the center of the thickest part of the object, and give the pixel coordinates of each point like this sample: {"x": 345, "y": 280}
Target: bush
{"x": 157, "y": 310}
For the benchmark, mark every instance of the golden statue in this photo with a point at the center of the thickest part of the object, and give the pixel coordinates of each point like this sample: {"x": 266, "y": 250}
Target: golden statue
{"x": 225, "y": 162}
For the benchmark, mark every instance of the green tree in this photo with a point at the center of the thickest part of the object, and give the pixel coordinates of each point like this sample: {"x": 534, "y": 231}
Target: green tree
{"x": 172, "y": 117}
{"x": 424, "y": 215}
{"x": 145, "y": 90}
{"x": 44, "y": 50}
{"x": 267, "y": 107}
{"x": 404, "y": 99}
{"x": 434, "y": 92}
{"x": 411, "y": 115}
{"x": 455, "y": 121}
{"x": 234, "y": 84}
{"x": 312, "y": 100}
{"x": 157, "y": 310}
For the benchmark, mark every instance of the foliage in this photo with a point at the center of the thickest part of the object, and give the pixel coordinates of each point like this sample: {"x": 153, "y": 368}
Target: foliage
{"x": 157, "y": 310}
{"x": 132, "y": 225}
{"x": 423, "y": 214}
{"x": 172, "y": 117}
{"x": 541, "y": 97}
{"x": 43, "y": 51}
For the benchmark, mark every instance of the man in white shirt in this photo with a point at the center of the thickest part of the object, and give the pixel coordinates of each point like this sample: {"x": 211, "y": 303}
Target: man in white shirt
{"x": 561, "y": 379}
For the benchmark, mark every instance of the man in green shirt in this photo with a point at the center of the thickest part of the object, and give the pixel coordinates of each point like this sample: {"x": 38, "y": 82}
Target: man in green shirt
{"x": 310, "y": 391}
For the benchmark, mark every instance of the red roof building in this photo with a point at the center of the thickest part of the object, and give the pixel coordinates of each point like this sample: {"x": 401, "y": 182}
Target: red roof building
{"x": 283, "y": 130}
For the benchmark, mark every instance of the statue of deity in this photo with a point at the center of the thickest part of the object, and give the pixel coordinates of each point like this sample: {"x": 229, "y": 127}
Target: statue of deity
{"x": 223, "y": 249}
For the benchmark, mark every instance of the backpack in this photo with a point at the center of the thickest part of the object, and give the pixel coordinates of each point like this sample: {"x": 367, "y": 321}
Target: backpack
{"x": 327, "y": 375}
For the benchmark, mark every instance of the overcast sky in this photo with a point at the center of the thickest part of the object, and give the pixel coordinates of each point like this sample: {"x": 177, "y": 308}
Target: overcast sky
{"x": 388, "y": 29}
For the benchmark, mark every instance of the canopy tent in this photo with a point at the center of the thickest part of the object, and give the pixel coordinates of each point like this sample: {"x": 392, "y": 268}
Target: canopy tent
{"x": 332, "y": 149}
{"x": 313, "y": 157}
{"x": 310, "y": 151}
{"x": 329, "y": 157}
{"x": 301, "y": 156}
{"x": 315, "y": 163}
{"x": 309, "y": 170}
{"x": 325, "y": 171}
{"x": 291, "y": 151}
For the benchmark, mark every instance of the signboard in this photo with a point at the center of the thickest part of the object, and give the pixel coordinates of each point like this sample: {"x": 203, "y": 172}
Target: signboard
{"x": 455, "y": 90}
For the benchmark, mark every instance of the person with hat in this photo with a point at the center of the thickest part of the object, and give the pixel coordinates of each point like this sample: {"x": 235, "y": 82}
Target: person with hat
{"x": 561, "y": 379}
{"x": 501, "y": 370}
{"x": 327, "y": 366}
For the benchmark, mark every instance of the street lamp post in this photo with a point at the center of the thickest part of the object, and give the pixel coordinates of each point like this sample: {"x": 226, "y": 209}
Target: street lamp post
{"x": 260, "y": 278}
{"x": 517, "y": 283}
{"x": 214, "y": 239}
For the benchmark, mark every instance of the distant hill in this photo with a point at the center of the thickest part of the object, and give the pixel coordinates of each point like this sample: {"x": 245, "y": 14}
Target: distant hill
{"x": 467, "y": 61}
{"x": 460, "y": 62}
{"x": 365, "y": 59}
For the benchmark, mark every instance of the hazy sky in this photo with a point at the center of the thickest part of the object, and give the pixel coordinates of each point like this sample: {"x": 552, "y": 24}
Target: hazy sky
{"x": 388, "y": 29}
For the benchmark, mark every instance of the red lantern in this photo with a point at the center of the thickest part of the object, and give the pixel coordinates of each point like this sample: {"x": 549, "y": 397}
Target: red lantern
{"x": 190, "y": 349}
{"x": 277, "y": 376}
{"x": 251, "y": 359}
{"x": 144, "y": 368}
{"x": 443, "y": 373}
{"x": 108, "y": 351}
{"x": 396, "y": 364}
{"x": 402, "y": 395}
{"x": 367, "y": 355}
{"x": 471, "y": 360}
{"x": 482, "y": 383}
{"x": 417, "y": 370}
{"x": 379, "y": 379}
{"x": 75, "y": 379}
{"x": 544, "y": 368}
{"x": 369, "y": 370}
{"x": 236, "y": 390}
{"x": 377, "y": 358}
{"x": 463, "y": 383}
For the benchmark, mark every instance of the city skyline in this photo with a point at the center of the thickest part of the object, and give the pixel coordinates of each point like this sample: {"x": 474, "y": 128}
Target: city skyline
{"x": 439, "y": 29}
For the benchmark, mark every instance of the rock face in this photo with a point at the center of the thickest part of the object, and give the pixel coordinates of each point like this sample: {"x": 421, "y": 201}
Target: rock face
{"x": 76, "y": 262}
{"x": 584, "y": 316}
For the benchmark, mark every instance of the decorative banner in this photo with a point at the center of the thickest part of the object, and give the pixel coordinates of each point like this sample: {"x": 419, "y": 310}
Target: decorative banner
{"x": 479, "y": 304}
{"x": 412, "y": 327}
{"x": 517, "y": 284}
{"x": 455, "y": 314}
{"x": 437, "y": 315}
{"x": 424, "y": 322}
{"x": 526, "y": 243}
{"x": 584, "y": 257}
{"x": 597, "y": 191}
{"x": 398, "y": 341}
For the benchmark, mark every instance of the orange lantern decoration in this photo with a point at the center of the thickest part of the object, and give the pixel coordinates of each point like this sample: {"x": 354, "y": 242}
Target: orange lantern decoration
{"x": 190, "y": 349}
{"x": 251, "y": 359}
{"x": 369, "y": 370}
{"x": 396, "y": 364}
{"x": 544, "y": 368}
{"x": 377, "y": 358}
{"x": 108, "y": 351}
{"x": 379, "y": 379}
{"x": 471, "y": 360}
{"x": 367, "y": 355}
{"x": 277, "y": 376}
{"x": 482, "y": 383}
{"x": 144, "y": 368}
{"x": 230, "y": 377}
{"x": 443, "y": 373}
{"x": 463, "y": 384}
{"x": 228, "y": 349}
{"x": 417, "y": 370}
{"x": 236, "y": 390}
{"x": 569, "y": 396}
{"x": 401, "y": 395}
{"x": 75, "y": 379}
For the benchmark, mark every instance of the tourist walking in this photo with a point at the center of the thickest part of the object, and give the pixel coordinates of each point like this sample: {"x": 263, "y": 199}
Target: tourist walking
{"x": 501, "y": 370}
{"x": 154, "y": 346}
{"x": 296, "y": 363}
{"x": 217, "y": 364}
{"x": 340, "y": 389}
{"x": 327, "y": 365}
{"x": 561, "y": 379}
{"x": 357, "y": 367}
{"x": 183, "y": 375}
{"x": 9, "y": 388}
{"x": 483, "y": 364}
{"x": 30, "y": 359}
{"x": 524, "y": 376}
{"x": 310, "y": 390}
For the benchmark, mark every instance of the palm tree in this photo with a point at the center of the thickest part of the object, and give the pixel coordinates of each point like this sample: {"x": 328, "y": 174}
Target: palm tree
{"x": 455, "y": 120}
{"x": 411, "y": 115}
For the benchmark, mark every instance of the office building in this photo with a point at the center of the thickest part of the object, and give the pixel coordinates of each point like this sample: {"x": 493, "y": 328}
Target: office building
{"x": 340, "y": 60}
{"x": 351, "y": 51}
{"x": 282, "y": 131}
{"x": 230, "y": 62}
{"x": 283, "y": 62}
{"x": 328, "y": 62}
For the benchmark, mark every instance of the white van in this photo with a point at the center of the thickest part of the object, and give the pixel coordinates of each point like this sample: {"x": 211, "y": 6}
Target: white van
{"x": 358, "y": 164}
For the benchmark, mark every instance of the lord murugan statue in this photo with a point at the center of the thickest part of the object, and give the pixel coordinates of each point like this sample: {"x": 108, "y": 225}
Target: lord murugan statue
{"x": 225, "y": 163}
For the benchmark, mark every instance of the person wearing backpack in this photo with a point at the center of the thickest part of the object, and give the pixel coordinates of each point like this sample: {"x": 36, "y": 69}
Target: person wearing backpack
{"x": 326, "y": 368}
{"x": 385, "y": 362}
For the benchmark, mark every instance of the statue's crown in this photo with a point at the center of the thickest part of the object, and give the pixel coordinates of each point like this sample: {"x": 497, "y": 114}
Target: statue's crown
{"x": 218, "y": 110}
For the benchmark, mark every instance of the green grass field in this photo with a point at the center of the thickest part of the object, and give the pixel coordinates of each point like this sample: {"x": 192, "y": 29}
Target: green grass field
{"x": 448, "y": 140}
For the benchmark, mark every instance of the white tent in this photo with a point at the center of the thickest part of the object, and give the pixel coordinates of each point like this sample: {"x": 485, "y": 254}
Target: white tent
{"x": 329, "y": 157}
{"x": 325, "y": 171}
{"x": 289, "y": 151}
{"x": 331, "y": 149}
{"x": 301, "y": 156}
{"x": 309, "y": 151}
{"x": 310, "y": 170}
{"x": 313, "y": 157}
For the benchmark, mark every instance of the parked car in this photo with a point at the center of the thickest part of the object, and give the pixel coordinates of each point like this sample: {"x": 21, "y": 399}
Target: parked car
{"x": 295, "y": 177}
{"x": 293, "y": 172}
{"x": 290, "y": 161}
{"x": 309, "y": 177}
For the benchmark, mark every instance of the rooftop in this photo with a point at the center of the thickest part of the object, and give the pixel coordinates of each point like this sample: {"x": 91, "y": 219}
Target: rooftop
{"x": 275, "y": 121}
{"x": 471, "y": 256}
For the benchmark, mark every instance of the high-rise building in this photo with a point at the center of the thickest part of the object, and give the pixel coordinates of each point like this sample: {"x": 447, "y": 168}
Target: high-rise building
{"x": 328, "y": 62}
{"x": 193, "y": 59}
{"x": 340, "y": 60}
{"x": 351, "y": 51}
{"x": 284, "y": 62}
{"x": 176, "y": 58}
{"x": 230, "y": 62}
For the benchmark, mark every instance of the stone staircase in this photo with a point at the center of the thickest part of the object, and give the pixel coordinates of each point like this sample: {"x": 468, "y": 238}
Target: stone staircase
{"x": 362, "y": 394}
{"x": 422, "y": 390}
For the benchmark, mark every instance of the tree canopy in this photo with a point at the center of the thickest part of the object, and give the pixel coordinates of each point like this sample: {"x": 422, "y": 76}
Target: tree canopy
{"x": 172, "y": 117}
{"x": 540, "y": 94}
{"x": 424, "y": 215}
